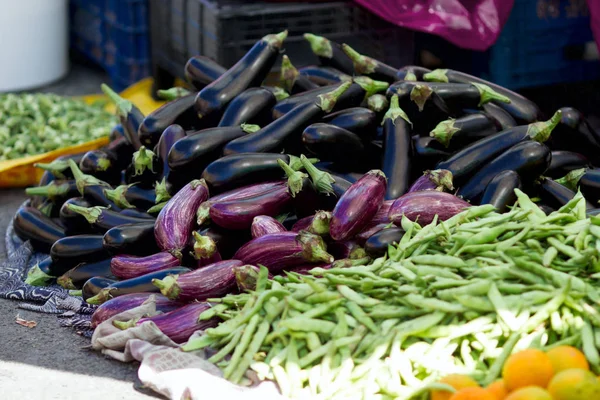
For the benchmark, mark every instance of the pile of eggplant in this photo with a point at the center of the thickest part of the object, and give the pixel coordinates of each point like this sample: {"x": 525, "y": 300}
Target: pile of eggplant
{"x": 185, "y": 203}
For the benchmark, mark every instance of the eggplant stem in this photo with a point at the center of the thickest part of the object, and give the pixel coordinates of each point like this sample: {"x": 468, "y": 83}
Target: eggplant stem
{"x": 172, "y": 93}
{"x": 295, "y": 178}
{"x": 91, "y": 214}
{"x": 162, "y": 194}
{"x": 102, "y": 296}
{"x": 76, "y": 292}
{"x": 156, "y": 208}
{"x": 420, "y": 94}
{"x": 313, "y": 247}
{"x": 571, "y": 180}
{"x": 410, "y": 76}
{"x": 442, "y": 178}
{"x": 296, "y": 163}
{"x": 540, "y": 131}
{"x": 51, "y": 190}
{"x": 204, "y": 246}
{"x": 168, "y": 286}
{"x": 319, "y": 45}
{"x": 104, "y": 164}
{"x": 444, "y": 131}
{"x": 437, "y": 75}
{"x": 56, "y": 167}
{"x": 280, "y": 93}
{"x": 142, "y": 160}
{"x": 370, "y": 86}
{"x": 362, "y": 64}
{"x": 65, "y": 282}
{"x": 395, "y": 112}
{"x": 37, "y": 277}
{"x": 117, "y": 196}
{"x": 378, "y": 103}
{"x": 82, "y": 180}
{"x": 321, "y": 180}
{"x": 250, "y": 128}
{"x": 124, "y": 106}
{"x": 288, "y": 74}
{"x": 320, "y": 223}
{"x": 203, "y": 213}
{"x": 488, "y": 94}
{"x": 327, "y": 101}
{"x": 276, "y": 40}
{"x": 122, "y": 325}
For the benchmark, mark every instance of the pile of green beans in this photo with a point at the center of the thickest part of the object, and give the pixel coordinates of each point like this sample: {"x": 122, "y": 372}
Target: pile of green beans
{"x": 37, "y": 123}
{"x": 453, "y": 297}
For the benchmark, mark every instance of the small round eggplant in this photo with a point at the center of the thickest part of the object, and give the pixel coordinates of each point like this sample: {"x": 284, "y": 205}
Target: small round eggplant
{"x": 377, "y": 245}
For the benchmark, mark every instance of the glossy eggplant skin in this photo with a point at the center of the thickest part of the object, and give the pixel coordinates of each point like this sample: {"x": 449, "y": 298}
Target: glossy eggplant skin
{"x": 457, "y": 133}
{"x": 564, "y": 162}
{"x": 556, "y": 195}
{"x": 167, "y": 139}
{"x": 56, "y": 191}
{"x": 338, "y": 170}
{"x": 238, "y": 170}
{"x": 116, "y": 132}
{"x": 107, "y": 219}
{"x": 252, "y": 106}
{"x": 201, "y": 71}
{"x": 96, "y": 196}
{"x": 176, "y": 112}
{"x": 140, "y": 197}
{"x": 377, "y": 244}
{"x": 397, "y": 154}
{"x": 94, "y": 285}
{"x": 324, "y": 76}
{"x": 428, "y": 153}
{"x": 500, "y": 192}
{"x": 330, "y": 142}
{"x": 589, "y": 184}
{"x": 77, "y": 276}
{"x": 70, "y": 251}
{"x": 501, "y": 117}
{"x": 529, "y": 159}
{"x": 358, "y": 120}
{"x": 574, "y": 133}
{"x": 136, "y": 213}
{"x": 228, "y": 242}
{"x": 135, "y": 239}
{"x": 121, "y": 151}
{"x": 101, "y": 165}
{"x": 30, "y": 224}
{"x": 74, "y": 223}
{"x": 423, "y": 206}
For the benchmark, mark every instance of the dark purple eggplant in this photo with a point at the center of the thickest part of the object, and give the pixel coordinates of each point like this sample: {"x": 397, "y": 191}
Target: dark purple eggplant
{"x": 91, "y": 188}
{"x": 134, "y": 239}
{"x": 280, "y": 251}
{"x": 30, "y": 224}
{"x": 120, "y": 151}
{"x": 102, "y": 219}
{"x": 369, "y": 230}
{"x": 412, "y": 73}
{"x": 129, "y": 115}
{"x": 56, "y": 191}
{"x": 201, "y": 71}
{"x": 134, "y": 212}
{"x": 291, "y": 80}
{"x": 264, "y": 225}
{"x": 127, "y": 267}
{"x": 40, "y": 273}
{"x": 556, "y": 195}
{"x": 205, "y": 250}
{"x": 377, "y": 245}
{"x": 458, "y": 133}
{"x": 46, "y": 178}
{"x": 358, "y": 205}
{"x": 370, "y": 67}
{"x": 76, "y": 277}
{"x": 177, "y": 112}
{"x": 168, "y": 138}
{"x": 214, "y": 280}
{"x": 358, "y": 120}
{"x": 346, "y": 249}
{"x": 586, "y": 180}
{"x": 574, "y": 133}
{"x": 178, "y": 324}
{"x": 564, "y": 162}
{"x": 379, "y": 104}
{"x": 284, "y": 131}
{"x": 501, "y": 118}
{"x": 144, "y": 170}
{"x": 252, "y": 106}
{"x": 70, "y": 251}
{"x": 500, "y": 192}
{"x": 192, "y": 154}
{"x": 330, "y": 53}
{"x": 116, "y": 132}
{"x": 522, "y": 109}
{"x": 101, "y": 165}
{"x": 471, "y": 158}
{"x": 278, "y": 92}
{"x": 323, "y": 76}
{"x": 228, "y": 242}
{"x": 333, "y": 143}
{"x": 248, "y": 72}
{"x": 94, "y": 285}
{"x": 74, "y": 222}
{"x": 398, "y": 151}
{"x": 423, "y": 206}
{"x": 529, "y": 159}
{"x": 429, "y": 152}
{"x": 131, "y": 196}
{"x": 126, "y": 302}
{"x": 439, "y": 179}
{"x": 176, "y": 220}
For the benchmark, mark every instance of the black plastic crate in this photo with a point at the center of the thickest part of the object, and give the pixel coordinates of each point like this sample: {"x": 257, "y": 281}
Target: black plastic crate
{"x": 225, "y": 30}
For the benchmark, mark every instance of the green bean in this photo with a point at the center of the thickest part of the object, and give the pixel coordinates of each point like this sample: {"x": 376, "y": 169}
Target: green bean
{"x": 433, "y": 304}
{"x": 298, "y": 305}
{"x": 359, "y": 299}
{"x": 544, "y": 313}
{"x": 308, "y": 325}
{"x": 228, "y": 347}
{"x": 322, "y": 309}
{"x": 322, "y": 297}
{"x": 589, "y": 346}
{"x": 248, "y": 356}
{"x": 361, "y": 316}
{"x": 501, "y": 308}
{"x": 320, "y": 352}
{"x": 475, "y": 288}
{"x": 439, "y": 260}
{"x": 240, "y": 349}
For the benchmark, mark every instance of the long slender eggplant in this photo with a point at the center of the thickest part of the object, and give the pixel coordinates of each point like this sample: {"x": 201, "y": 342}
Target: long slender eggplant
{"x": 377, "y": 245}
{"x": 134, "y": 239}
{"x": 398, "y": 150}
{"x": 120, "y": 151}
{"x": 370, "y": 67}
{"x": 145, "y": 168}
{"x": 330, "y": 53}
{"x": 74, "y": 222}
{"x": 463, "y": 163}
{"x": 214, "y": 280}
{"x": 501, "y": 117}
{"x": 379, "y": 104}
{"x": 127, "y": 267}
{"x": 204, "y": 250}
{"x": 195, "y": 153}
{"x": 429, "y": 152}
{"x": 556, "y": 195}
{"x": 275, "y": 136}
{"x": 280, "y": 251}
{"x": 574, "y": 133}
{"x": 91, "y": 188}
{"x": 228, "y": 242}
{"x": 56, "y": 191}
{"x": 30, "y": 224}
{"x": 323, "y": 76}
{"x": 168, "y": 138}
{"x": 131, "y": 196}
{"x": 69, "y": 251}
{"x": 136, "y": 213}
{"x": 101, "y": 165}
{"x": 264, "y": 225}
{"x": 176, "y": 220}
{"x": 458, "y": 133}
{"x": 412, "y": 73}
{"x": 249, "y": 71}
{"x": 564, "y": 162}
{"x": 358, "y": 205}
{"x": 102, "y": 219}
{"x": 333, "y": 143}
{"x": 177, "y": 112}
{"x": 425, "y": 205}
{"x": 94, "y": 285}
{"x": 130, "y": 116}
{"x": 358, "y": 120}
{"x": 438, "y": 179}
{"x": 252, "y": 106}
{"x": 126, "y": 302}
{"x": 291, "y": 79}
{"x": 76, "y": 277}
{"x": 201, "y": 71}
{"x": 522, "y": 109}
{"x": 586, "y": 180}
{"x": 500, "y": 191}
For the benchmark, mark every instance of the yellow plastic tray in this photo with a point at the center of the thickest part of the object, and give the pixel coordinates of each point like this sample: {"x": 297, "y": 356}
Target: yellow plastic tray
{"x": 21, "y": 172}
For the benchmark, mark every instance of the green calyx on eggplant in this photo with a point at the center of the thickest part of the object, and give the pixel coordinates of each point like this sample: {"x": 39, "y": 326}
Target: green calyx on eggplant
{"x": 103, "y": 219}
{"x": 378, "y": 103}
{"x": 457, "y": 133}
{"x": 295, "y": 178}
{"x": 330, "y": 53}
{"x": 288, "y": 74}
{"x": 162, "y": 191}
{"x": 369, "y": 66}
{"x": 117, "y": 195}
{"x": 130, "y": 116}
{"x": 38, "y": 274}
{"x": 82, "y": 180}
{"x": 571, "y": 180}
{"x": 58, "y": 168}
{"x": 172, "y": 93}
{"x": 321, "y": 180}
{"x": 438, "y": 179}
{"x": 55, "y": 191}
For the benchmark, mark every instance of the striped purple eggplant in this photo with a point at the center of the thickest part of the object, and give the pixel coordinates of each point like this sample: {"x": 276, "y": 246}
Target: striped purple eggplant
{"x": 214, "y": 280}
{"x": 239, "y": 214}
{"x": 358, "y": 205}
{"x": 263, "y": 225}
{"x": 175, "y": 221}
{"x": 317, "y": 224}
{"x": 178, "y": 324}
{"x": 438, "y": 179}
{"x": 346, "y": 249}
{"x": 127, "y": 267}
{"x": 204, "y": 250}
{"x": 246, "y": 277}
{"x": 257, "y": 189}
{"x": 302, "y": 224}
{"x": 281, "y": 251}
{"x": 423, "y": 206}
{"x": 127, "y": 302}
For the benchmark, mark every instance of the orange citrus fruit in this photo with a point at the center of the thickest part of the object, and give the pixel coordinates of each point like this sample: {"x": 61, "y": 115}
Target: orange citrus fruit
{"x": 530, "y": 393}
{"x": 574, "y": 384}
{"x": 529, "y": 367}
{"x": 457, "y": 381}
{"x": 498, "y": 389}
{"x": 567, "y": 357}
{"x": 472, "y": 393}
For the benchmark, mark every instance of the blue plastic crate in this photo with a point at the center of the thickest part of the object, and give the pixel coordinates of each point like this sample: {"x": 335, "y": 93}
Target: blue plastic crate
{"x": 115, "y": 35}
{"x": 542, "y": 44}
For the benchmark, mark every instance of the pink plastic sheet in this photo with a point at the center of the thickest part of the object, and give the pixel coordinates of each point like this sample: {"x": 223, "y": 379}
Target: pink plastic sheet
{"x": 472, "y": 24}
